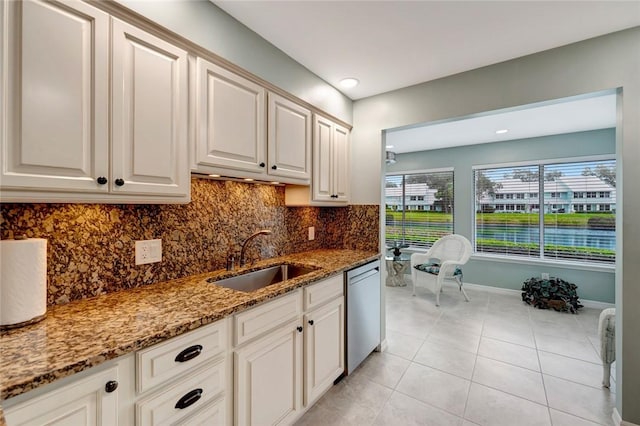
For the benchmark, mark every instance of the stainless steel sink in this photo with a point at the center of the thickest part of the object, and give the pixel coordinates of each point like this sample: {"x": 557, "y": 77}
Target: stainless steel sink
{"x": 256, "y": 280}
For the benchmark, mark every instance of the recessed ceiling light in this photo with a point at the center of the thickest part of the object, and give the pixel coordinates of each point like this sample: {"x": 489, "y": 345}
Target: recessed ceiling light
{"x": 389, "y": 146}
{"x": 248, "y": 179}
{"x": 348, "y": 83}
{"x": 501, "y": 131}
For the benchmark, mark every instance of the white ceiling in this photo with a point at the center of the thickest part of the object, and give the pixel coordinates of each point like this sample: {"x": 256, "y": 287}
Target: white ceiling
{"x": 550, "y": 118}
{"x": 388, "y": 45}
{"x": 392, "y": 44}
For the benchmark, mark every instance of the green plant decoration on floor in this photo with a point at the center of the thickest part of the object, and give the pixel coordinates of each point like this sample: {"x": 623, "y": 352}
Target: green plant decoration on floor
{"x": 554, "y": 293}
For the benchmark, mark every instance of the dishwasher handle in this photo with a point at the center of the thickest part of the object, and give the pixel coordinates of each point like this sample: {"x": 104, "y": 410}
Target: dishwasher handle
{"x": 363, "y": 275}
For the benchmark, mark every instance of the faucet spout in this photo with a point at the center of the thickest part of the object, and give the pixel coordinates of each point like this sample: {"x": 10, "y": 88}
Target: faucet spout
{"x": 244, "y": 244}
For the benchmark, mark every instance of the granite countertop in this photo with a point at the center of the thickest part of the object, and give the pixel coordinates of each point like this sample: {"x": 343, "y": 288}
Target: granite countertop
{"x": 85, "y": 333}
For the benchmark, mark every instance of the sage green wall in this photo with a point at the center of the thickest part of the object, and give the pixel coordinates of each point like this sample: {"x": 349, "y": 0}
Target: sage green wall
{"x": 212, "y": 28}
{"x": 592, "y": 284}
{"x": 607, "y": 62}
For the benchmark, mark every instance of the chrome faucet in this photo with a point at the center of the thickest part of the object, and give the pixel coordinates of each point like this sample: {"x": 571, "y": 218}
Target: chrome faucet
{"x": 244, "y": 244}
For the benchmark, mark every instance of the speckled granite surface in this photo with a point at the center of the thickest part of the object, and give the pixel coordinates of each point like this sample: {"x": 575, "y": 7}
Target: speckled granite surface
{"x": 91, "y": 246}
{"x": 84, "y": 333}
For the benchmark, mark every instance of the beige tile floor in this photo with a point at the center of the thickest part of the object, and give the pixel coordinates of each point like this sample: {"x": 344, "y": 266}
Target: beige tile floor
{"x": 493, "y": 361}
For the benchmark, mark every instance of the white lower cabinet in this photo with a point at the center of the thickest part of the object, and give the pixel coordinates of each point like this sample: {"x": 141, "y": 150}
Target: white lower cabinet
{"x": 324, "y": 349}
{"x": 98, "y": 396}
{"x": 184, "y": 379}
{"x": 287, "y": 353}
{"x": 268, "y": 378}
{"x": 281, "y": 372}
{"x": 175, "y": 401}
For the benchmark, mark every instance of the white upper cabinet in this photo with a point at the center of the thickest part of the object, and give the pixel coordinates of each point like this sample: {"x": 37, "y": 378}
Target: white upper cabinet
{"x": 237, "y": 134}
{"x": 56, "y": 95}
{"x": 289, "y": 139}
{"x": 331, "y": 161}
{"x": 341, "y": 165}
{"x": 56, "y": 146}
{"x": 150, "y": 87}
{"x": 330, "y": 182}
{"x": 230, "y": 114}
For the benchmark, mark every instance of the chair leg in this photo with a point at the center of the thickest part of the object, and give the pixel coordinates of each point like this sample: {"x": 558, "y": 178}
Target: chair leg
{"x": 464, "y": 293}
{"x": 437, "y": 298}
{"x": 606, "y": 374}
{"x": 414, "y": 286}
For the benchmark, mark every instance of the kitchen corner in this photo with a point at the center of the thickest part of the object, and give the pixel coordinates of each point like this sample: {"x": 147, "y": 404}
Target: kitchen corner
{"x": 85, "y": 333}
{"x": 101, "y": 306}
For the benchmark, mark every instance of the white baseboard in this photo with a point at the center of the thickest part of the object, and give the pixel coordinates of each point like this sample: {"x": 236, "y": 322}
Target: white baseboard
{"x": 617, "y": 420}
{"x": 615, "y": 416}
{"x": 383, "y": 346}
{"x": 586, "y": 303}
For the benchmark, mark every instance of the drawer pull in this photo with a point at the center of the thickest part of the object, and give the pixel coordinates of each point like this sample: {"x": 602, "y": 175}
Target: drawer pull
{"x": 111, "y": 386}
{"x": 188, "y": 354}
{"x": 189, "y": 399}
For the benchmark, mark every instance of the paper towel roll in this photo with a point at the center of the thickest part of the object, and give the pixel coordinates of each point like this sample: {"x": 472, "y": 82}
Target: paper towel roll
{"x": 23, "y": 281}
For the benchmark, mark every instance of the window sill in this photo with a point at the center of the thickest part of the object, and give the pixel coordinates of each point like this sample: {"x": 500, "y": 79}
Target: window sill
{"x": 549, "y": 263}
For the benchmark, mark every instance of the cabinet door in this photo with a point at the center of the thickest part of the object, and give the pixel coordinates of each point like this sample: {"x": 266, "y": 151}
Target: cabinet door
{"x": 322, "y": 160}
{"x": 268, "y": 378}
{"x": 230, "y": 114}
{"x": 56, "y": 96}
{"x": 324, "y": 349}
{"x": 289, "y": 142}
{"x": 341, "y": 151}
{"x": 149, "y": 114}
{"x": 81, "y": 403}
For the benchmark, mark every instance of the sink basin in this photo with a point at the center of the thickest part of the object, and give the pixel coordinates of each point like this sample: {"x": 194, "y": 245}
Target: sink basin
{"x": 256, "y": 280}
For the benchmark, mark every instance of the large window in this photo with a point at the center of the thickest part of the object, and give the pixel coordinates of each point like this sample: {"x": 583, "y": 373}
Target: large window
{"x": 576, "y": 221}
{"x": 419, "y": 208}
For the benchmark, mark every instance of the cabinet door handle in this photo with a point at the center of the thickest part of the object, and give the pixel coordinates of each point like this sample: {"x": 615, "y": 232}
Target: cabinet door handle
{"x": 299, "y": 328}
{"x": 101, "y": 180}
{"x": 262, "y": 164}
{"x": 119, "y": 182}
{"x": 310, "y": 322}
{"x": 189, "y": 399}
{"x": 274, "y": 167}
{"x": 110, "y": 386}
{"x": 188, "y": 354}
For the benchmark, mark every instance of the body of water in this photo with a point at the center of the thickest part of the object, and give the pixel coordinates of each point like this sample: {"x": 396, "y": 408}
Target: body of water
{"x": 573, "y": 237}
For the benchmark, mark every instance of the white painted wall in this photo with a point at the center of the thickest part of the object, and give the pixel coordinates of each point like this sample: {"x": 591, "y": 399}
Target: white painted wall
{"x": 204, "y": 23}
{"x": 607, "y": 62}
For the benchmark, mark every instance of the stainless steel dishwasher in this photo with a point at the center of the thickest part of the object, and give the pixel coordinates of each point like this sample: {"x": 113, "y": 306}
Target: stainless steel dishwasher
{"x": 363, "y": 312}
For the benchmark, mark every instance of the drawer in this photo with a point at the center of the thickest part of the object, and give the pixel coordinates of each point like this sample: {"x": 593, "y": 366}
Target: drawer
{"x": 214, "y": 414}
{"x": 161, "y": 362}
{"x": 259, "y": 320}
{"x": 173, "y": 404}
{"x": 317, "y": 294}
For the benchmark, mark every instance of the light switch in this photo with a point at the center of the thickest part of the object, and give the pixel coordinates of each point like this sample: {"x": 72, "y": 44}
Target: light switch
{"x": 312, "y": 233}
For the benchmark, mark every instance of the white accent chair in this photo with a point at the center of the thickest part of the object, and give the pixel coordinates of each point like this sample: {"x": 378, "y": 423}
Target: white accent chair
{"x": 607, "y": 334}
{"x": 450, "y": 252}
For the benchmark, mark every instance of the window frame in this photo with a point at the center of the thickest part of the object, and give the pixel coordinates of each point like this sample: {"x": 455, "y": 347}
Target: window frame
{"x": 404, "y": 173}
{"x": 578, "y": 264}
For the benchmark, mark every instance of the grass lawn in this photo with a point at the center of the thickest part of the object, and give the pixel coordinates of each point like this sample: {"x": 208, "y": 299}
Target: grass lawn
{"x": 578, "y": 220}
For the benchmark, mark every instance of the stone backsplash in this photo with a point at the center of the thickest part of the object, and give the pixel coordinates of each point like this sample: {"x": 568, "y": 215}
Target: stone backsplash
{"x": 91, "y": 246}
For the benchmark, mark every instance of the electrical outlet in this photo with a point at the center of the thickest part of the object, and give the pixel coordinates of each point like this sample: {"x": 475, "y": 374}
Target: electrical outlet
{"x": 312, "y": 233}
{"x": 148, "y": 251}
{"x": 545, "y": 276}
